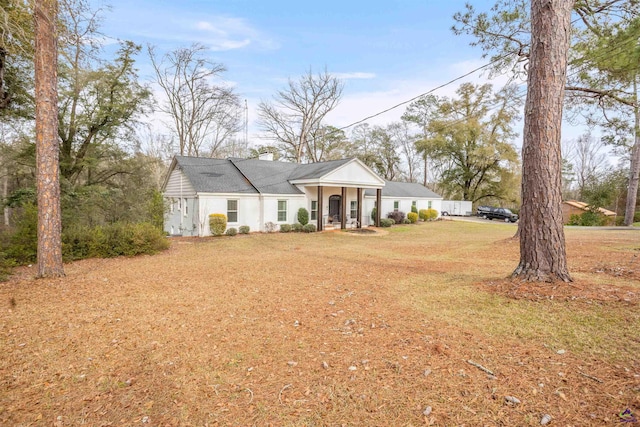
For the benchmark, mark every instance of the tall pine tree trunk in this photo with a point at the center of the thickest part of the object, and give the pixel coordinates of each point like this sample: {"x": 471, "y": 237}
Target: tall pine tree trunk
{"x": 47, "y": 151}
{"x": 542, "y": 243}
{"x": 5, "y": 193}
{"x": 634, "y": 168}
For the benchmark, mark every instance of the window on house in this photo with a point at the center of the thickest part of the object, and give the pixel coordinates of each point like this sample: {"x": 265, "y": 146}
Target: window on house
{"x": 414, "y": 204}
{"x": 314, "y": 210}
{"x": 354, "y": 209}
{"x": 429, "y": 204}
{"x": 186, "y": 208}
{"x": 232, "y": 211}
{"x": 172, "y": 205}
{"x": 282, "y": 210}
{"x": 179, "y": 204}
{"x": 396, "y": 205}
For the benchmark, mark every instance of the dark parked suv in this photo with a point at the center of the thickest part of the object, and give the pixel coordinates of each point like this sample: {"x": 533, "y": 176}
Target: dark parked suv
{"x": 502, "y": 214}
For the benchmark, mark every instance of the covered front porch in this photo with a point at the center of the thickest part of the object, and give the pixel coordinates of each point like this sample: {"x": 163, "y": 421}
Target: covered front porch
{"x": 336, "y": 199}
{"x": 342, "y": 208}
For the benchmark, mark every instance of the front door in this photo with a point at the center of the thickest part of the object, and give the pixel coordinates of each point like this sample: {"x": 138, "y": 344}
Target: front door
{"x": 335, "y": 203}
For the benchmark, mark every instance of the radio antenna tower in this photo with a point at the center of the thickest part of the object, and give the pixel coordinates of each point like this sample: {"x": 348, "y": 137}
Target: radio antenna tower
{"x": 246, "y": 123}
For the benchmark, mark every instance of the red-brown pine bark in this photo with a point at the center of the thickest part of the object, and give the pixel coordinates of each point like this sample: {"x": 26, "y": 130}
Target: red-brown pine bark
{"x": 47, "y": 150}
{"x": 542, "y": 242}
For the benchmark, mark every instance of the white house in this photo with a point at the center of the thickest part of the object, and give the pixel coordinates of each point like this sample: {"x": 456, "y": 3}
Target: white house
{"x": 255, "y": 192}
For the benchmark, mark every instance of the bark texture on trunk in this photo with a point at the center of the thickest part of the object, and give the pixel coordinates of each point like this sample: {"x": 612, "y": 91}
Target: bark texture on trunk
{"x": 47, "y": 151}
{"x": 542, "y": 243}
{"x": 634, "y": 174}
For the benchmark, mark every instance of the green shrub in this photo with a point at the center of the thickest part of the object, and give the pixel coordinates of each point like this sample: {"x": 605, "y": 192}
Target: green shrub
{"x": 146, "y": 239}
{"x": 6, "y": 265}
{"x": 244, "y": 229}
{"x": 636, "y": 217}
{"x": 373, "y": 214}
{"x": 297, "y": 227}
{"x": 303, "y": 216}
{"x": 412, "y": 217}
{"x": 591, "y": 218}
{"x": 23, "y": 243}
{"x": 285, "y": 228}
{"x": 422, "y": 214}
{"x": 587, "y": 219}
{"x": 156, "y": 208}
{"x": 78, "y": 243}
{"x": 232, "y": 231}
{"x": 431, "y": 214}
{"x": 309, "y": 228}
{"x": 414, "y": 209}
{"x": 406, "y": 221}
{"x": 386, "y": 222}
{"x": 217, "y": 224}
{"x": 574, "y": 219}
{"x": 270, "y": 227}
{"x": 112, "y": 240}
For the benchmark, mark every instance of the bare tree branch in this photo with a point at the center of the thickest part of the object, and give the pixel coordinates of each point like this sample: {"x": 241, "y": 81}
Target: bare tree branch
{"x": 298, "y": 111}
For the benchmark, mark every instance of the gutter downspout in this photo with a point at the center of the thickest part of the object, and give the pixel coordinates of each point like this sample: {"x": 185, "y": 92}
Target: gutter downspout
{"x": 182, "y": 205}
{"x": 196, "y": 212}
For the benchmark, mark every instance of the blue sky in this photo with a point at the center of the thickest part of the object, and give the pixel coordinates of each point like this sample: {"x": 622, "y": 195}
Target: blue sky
{"x": 385, "y": 51}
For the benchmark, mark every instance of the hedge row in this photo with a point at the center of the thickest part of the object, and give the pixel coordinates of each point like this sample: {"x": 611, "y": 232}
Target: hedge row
{"x": 298, "y": 228}
{"x": 112, "y": 240}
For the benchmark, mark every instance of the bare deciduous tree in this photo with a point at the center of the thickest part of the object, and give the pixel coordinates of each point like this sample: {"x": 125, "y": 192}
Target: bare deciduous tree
{"x": 406, "y": 142}
{"x": 542, "y": 243}
{"x": 588, "y": 161}
{"x": 204, "y": 115}
{"x": 297, "y": 111}
{"x": 47, "y": 167}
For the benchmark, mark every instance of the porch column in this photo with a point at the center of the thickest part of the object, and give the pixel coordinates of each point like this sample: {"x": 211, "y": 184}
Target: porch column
{"x": 378, "y": 206}
{"x": 319, "y": 211}
{"x": 343, "y": 217}
{"x": 359, "y": 215}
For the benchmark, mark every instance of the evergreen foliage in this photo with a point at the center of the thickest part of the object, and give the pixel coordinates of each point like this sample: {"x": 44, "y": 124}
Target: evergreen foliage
{"x": 112, "y": 240}
{"x": 303, "y": 216}
{"x": 309, "y": 228}
{"x": 285, "y": 228}
{"x": 386, "y": 222}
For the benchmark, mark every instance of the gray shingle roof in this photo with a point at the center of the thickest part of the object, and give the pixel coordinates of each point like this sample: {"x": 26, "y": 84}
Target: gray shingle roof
{"x": 271, "y": 177}
{"x": 214, "y": 175}
{"x": 267, "y": 176}
{"x": 405, "y": 189}
{"x": 317, "y": 170}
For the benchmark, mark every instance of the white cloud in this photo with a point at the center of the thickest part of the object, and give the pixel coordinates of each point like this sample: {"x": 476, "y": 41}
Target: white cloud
{"x": 222, "y": 45}
{"x": 209, "y": 27}
{"x": 354, "y": 75}
{"x": 222, "y": 33}
{"x": 217, "y": 32}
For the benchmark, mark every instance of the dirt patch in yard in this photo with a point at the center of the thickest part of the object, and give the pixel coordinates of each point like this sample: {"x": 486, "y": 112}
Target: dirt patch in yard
{"x": 298, "y": 330}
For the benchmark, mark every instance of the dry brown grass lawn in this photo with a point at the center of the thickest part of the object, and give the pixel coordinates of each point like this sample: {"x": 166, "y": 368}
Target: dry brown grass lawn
{"x": 327, "y": 329}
